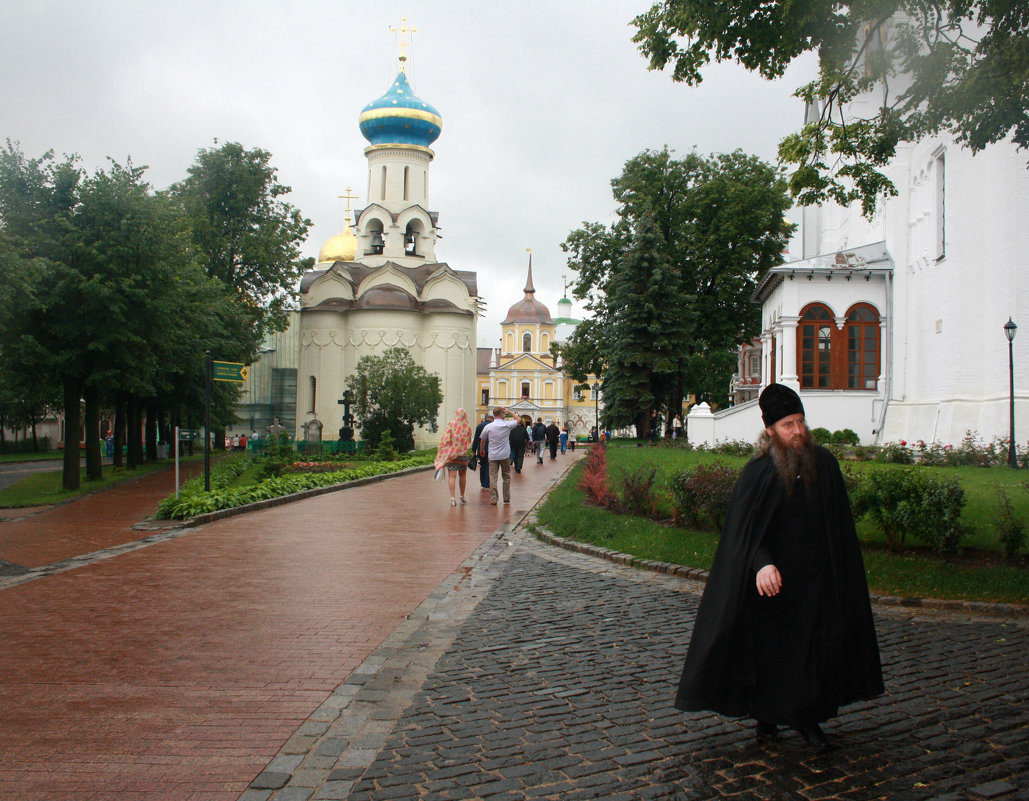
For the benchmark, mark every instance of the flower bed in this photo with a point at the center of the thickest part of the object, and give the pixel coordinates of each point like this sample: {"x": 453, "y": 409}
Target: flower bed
{"x": 193, "y": 501}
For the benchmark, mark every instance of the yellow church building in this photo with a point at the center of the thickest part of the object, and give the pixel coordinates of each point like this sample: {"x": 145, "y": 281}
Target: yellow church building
{"x": 526, "y": 377}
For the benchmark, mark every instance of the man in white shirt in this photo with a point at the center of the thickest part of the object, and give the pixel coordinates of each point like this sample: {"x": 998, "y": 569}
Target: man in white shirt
{"x": 495, "y": 444}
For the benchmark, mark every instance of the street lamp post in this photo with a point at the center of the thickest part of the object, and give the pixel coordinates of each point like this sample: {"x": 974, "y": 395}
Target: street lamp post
{"x": 1009, "y": 331}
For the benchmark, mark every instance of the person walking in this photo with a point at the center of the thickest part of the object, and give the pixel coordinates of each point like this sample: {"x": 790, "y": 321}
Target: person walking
{"x": 519, "y": 438}
{"x": 452, "y": 453}
{"x": 539, "y": 437}
{"x": 483, "y": 463}
{"x": 564, "y": 440}
{"x": 495, "y": 444}
{"x": 784, "y": 633}
{"x": 553, "y": 435}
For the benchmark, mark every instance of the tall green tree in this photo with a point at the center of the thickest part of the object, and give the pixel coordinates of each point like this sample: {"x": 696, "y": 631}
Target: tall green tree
{"x": 248, "y": 236}
{"x": 118, "y": 308}
{"x": 393, "y": 394}
{"x": 37, "y": 202}
{"x": 958, "y": 66}
{"x": 669, "y": 282}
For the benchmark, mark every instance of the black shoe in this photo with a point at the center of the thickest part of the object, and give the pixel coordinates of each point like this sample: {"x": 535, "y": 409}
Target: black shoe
{"x": 766, "y": 731}
{"x": 815, "y": 737}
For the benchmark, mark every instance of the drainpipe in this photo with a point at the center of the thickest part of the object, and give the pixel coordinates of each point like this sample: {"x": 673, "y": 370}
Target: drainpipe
{"x": 891, "y": 322}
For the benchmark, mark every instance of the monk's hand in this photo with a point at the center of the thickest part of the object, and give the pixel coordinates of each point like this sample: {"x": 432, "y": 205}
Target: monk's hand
{"x": 769, "y": 581}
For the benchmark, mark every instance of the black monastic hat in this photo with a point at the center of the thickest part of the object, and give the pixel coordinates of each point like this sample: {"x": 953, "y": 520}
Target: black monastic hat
{"x": 778, "y": 401}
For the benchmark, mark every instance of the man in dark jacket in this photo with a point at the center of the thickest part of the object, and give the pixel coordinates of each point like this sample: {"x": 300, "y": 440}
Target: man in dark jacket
{"x": 784, "y": 633}
{"x": 553, "y": 436}
{"x": 539, "y": 438}
{"x": 519, "y": 438}
{"x": 483, "y": 463}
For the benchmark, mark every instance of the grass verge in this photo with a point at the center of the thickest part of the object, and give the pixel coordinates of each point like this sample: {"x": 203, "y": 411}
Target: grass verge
{"x": 44, "y": 489}
{"x": 978, "y": 574}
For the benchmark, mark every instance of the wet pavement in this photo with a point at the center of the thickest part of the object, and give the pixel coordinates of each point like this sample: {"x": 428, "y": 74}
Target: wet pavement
{"x": 376, "y": 643}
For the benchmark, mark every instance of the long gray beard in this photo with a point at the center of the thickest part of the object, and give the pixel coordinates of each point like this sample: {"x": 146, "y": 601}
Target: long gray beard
{"x": 790, "y": 463}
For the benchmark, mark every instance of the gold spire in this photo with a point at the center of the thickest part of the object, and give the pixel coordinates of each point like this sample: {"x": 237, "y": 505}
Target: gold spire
{"x": 402, "y": 44}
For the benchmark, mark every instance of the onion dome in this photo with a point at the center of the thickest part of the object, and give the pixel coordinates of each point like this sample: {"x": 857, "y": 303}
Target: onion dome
{"x": 528, "y": 309}
{"x": 400, "y": 117}
{"x": 341, "y": 247}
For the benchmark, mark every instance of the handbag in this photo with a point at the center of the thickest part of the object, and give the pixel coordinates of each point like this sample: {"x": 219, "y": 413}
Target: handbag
{"x": 473, "y": 462}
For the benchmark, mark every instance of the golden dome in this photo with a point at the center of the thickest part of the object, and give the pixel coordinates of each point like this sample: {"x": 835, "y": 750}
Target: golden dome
{"x": 341, "y": 247}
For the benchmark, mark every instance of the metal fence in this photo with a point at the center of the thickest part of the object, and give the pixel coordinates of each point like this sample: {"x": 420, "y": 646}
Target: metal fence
{"x": 305, "y": 448}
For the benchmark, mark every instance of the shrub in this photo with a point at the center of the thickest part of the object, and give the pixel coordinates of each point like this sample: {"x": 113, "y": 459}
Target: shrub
{"x": 386, "y": 450}
{"x": 821, "y": 435}
{"x": 934, "y": 454}
{"x": 701, "y": 494}
{"x": 594, "y": 478}
{"x": 733, "y": 447}
{"x": 906, "y": 500}
{"x": 845, "y": 437}
{"x": 895, "y": 453}
{"x": 636, "y": 496}
{"x": 1009, "y": 525}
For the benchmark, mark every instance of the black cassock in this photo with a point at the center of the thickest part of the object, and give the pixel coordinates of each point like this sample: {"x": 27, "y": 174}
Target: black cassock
{"x": 796, "y": 657}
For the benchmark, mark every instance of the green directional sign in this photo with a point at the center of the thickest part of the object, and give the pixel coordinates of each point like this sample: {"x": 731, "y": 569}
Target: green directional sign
{"x": 188, "y": 433}
{"x": 229, "y": 371}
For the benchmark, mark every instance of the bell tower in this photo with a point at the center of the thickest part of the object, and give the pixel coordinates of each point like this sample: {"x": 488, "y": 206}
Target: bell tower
{"x": 397, "y": 225}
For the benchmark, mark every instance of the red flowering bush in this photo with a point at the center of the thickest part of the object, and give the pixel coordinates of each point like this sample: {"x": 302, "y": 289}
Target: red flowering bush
{"x": 594, "y": 478}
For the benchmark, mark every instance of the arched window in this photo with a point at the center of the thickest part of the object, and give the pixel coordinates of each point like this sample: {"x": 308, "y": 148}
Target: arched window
{"x": 383, "y": 183}
{"x": 407, "y": 178}
{"x": 862, "y": 332}
{"x": 815, "y": 343}
{"x": 314, "y": 392}
{"x": 526, "y": 341}
{"x": 525, "y": 389}
{"x": 411, "y": 238}
{"x": 378, "y": 244}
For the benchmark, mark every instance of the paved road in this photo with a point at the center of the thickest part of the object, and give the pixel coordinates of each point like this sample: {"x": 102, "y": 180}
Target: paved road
{"x": 377, "y": 644}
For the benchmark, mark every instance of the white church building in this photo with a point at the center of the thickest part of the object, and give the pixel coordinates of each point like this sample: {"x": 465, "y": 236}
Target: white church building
{"x": 378, "y": 284}
{"x": 894, "y": 327}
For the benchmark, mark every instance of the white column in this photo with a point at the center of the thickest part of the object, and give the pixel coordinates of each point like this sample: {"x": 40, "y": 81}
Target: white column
{"x": 767, "y": 338}
{"x": 789, "y": 352}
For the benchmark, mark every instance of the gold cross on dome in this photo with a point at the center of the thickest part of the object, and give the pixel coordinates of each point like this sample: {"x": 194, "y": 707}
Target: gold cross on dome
{"x": 348, "y": 197}
{"x": 402, "y": 44}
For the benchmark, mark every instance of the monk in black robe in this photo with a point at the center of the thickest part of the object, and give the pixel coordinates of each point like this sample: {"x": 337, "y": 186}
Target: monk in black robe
{"x": 784, "y": 633}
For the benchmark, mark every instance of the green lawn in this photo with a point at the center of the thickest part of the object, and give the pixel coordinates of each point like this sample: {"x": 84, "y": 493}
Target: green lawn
{"x": 31, "y": 456}
{"x": 915, "y": 573}
{"x": 42, "y": 489}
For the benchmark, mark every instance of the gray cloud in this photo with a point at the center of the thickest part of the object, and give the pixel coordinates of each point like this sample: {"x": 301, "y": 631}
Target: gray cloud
{"x": 542, "y": 103}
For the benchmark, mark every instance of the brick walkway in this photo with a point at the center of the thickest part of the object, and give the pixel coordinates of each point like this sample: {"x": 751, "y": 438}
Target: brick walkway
{"x": 178, "y": 670}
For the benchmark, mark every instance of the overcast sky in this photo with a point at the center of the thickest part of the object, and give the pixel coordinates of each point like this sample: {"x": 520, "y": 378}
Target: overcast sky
{"x": 542, "y": 104}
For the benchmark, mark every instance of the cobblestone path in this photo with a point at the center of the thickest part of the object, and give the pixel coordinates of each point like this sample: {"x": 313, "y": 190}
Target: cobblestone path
{"x": 559, "y": 685}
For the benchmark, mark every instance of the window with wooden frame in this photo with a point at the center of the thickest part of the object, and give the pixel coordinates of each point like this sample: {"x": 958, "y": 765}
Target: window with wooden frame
{"x": 833, "y": 359}
{"x": 815, "y": 340}
{"x": 526, "y": 343}
{"x": 862, "y": 333}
